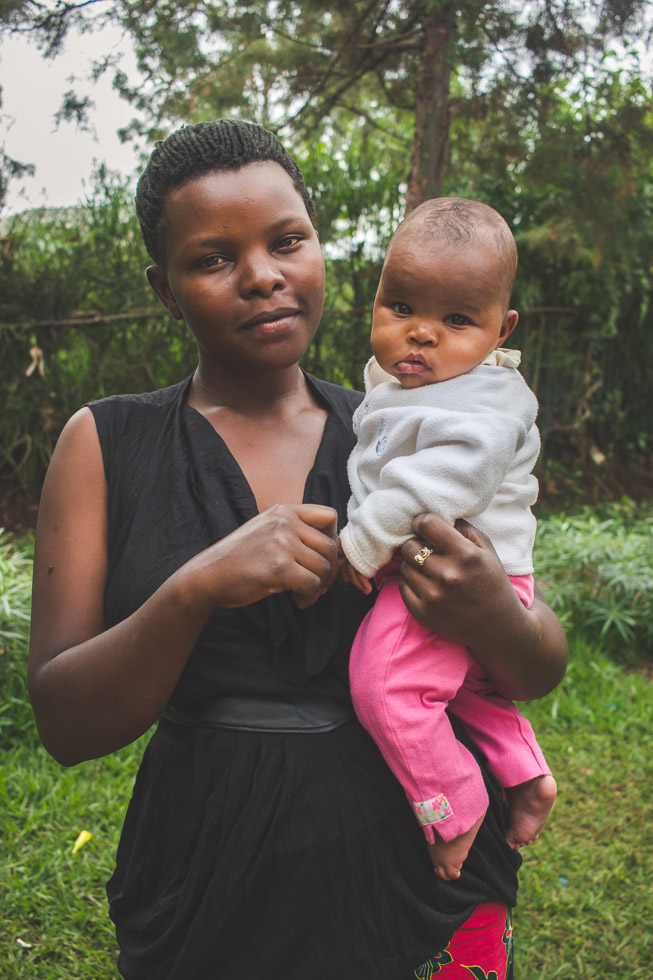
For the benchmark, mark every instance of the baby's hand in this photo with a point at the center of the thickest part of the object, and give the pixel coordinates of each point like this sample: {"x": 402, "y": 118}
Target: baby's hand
{"x": 362, "y": 582}
{"x": 351, "y": 574}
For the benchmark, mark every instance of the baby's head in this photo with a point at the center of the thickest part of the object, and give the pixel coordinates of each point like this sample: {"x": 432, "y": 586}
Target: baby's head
{"x": 442, "y": 301}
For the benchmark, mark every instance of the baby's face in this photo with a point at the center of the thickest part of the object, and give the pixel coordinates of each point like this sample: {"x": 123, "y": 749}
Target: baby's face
{"x": 439, "y": 310}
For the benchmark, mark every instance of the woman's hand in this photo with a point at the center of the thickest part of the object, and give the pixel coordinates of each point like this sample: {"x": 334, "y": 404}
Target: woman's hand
{"x": 289, "y": 547}
{"x": 463, "y": 593}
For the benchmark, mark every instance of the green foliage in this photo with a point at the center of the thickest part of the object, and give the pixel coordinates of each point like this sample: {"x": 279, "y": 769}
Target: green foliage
{"x": 596, "y": 571}
{"x": 543, "y": 127}
{"x": 16, "y": 556}
{"x": 63, "y": 272}
{"x": 571, "y": 174}
{"x": 358, "y": 208}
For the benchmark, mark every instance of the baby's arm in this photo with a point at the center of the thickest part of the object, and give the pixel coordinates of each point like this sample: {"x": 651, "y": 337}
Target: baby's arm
{"x": 461, "y": 460}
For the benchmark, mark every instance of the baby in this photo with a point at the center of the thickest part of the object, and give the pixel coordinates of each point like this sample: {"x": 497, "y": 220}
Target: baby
{"x": 447, "y": 426}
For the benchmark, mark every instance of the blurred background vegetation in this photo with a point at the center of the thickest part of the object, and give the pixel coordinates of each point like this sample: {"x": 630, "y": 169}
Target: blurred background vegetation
{"x": 542, "y": 110}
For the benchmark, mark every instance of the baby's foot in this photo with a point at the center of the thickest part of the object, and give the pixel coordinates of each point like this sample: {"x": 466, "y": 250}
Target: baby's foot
{"x": 530, "y": 805}
{"x": 447, "y": 856}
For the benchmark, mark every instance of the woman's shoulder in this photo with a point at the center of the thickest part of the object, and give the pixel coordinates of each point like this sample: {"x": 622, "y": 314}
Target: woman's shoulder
{"x": 343, "y": 400}
{"x": 148, "y": 400}
{"x": 126, "y": 424}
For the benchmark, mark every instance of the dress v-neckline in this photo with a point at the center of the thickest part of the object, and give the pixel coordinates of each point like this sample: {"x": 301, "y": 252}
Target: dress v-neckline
{"x": 227, "y": 453}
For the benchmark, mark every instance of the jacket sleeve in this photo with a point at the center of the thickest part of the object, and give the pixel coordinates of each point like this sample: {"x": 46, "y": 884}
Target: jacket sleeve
{"x": 461, "y": 460}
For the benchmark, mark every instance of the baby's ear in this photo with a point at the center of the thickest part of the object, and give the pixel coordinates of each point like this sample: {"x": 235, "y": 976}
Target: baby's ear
{"x": 158, "y": 280}
{"x": 510, "y": 321}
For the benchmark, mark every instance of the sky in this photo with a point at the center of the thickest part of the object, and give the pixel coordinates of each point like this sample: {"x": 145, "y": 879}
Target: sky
{"x": 32, "y": 90}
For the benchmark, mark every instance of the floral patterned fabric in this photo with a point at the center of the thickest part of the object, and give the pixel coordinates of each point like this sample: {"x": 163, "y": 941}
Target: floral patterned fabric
{"x": 482, "y": 948}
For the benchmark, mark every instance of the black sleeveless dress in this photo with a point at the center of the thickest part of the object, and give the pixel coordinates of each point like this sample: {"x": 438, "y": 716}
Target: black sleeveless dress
{"x": 262, "y": 854}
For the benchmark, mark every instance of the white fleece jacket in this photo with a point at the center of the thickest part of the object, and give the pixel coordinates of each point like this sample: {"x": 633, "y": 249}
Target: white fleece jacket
{"x": 459, "y": 448}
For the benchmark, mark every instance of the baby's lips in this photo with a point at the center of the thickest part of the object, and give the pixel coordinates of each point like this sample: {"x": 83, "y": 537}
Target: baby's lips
{"x": 411, "y": 367}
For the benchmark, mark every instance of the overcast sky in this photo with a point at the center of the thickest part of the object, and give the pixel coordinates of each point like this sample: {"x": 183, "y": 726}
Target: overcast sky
{"x": 32, "y": 89}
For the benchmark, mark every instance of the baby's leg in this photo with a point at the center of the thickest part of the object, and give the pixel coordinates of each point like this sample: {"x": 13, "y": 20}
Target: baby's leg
{"x": 402, "y": 678}
{"x": 530, "y": 806}
{"x": 509, "y": 744}
{"x": 447, "y": 857}
{"x": 514, "y": 756}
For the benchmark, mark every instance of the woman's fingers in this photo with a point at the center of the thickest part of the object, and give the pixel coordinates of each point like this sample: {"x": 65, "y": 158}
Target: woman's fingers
{"x": 323, "y": 518}
{"x": 286, "y": 548}
{"x": 433, "y": 530}
{"x": 316, "y": 563}
{"x": 455, "y": 587}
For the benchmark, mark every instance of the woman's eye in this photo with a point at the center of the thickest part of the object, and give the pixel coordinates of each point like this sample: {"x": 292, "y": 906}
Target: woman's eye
{"x": 457, "y": 320}
{"x": 288, "y": 241}
{"x": 402, "y": 309}
{"x": 210, "y": 261}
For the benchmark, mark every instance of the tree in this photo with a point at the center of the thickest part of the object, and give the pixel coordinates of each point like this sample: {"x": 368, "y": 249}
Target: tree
{"x": 301, "y": 66}
{"x": 540, "y": 122}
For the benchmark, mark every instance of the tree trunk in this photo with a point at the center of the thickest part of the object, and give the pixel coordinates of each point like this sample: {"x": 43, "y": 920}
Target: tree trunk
{"x": 431, "y": 137}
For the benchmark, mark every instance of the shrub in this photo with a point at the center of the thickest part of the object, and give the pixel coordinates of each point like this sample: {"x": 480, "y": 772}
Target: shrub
{"x": 16, "y": 556}
{"x": 596, "y": 571}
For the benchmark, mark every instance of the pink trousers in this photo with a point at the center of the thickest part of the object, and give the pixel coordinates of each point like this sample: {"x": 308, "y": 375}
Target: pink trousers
{"x": 403, "y": 677}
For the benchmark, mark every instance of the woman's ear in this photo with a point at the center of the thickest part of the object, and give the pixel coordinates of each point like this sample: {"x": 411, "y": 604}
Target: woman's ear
{"x": 510, "y": 321}
{"x": 159, "y": 283}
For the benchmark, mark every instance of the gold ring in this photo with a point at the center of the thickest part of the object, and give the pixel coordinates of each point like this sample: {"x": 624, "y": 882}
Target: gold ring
{"x": 422, "y": 555}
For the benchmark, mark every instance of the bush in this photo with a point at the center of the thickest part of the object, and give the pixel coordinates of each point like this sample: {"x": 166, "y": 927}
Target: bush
{"x": 596, "y": 571}
{"x": 16, "y": 556}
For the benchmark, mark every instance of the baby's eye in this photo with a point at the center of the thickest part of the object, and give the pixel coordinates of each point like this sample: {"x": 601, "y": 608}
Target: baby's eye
{"x": 457, "y": 320}
{"x": 402, "y": 309}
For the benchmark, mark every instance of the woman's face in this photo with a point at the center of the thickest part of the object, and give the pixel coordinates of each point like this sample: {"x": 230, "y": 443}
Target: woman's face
{"x": 244, "y": 269}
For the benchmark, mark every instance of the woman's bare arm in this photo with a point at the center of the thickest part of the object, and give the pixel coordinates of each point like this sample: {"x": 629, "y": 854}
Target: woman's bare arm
{"x": 95, "y": 689}
{"x": 463, "y": 593}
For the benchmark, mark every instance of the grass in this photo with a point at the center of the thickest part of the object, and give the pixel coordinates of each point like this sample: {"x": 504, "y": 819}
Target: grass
{"x": 55, "y": 922}
{"x": 586, "y": 895}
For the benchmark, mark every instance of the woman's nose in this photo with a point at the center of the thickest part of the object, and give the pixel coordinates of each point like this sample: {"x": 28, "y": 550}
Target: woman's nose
{"x": 260, "y": 273}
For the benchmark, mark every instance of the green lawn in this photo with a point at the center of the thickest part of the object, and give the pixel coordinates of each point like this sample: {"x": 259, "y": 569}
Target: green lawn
{"x": 586, "y": 903}
{"x": 54, "y": 922}
{"x": 586, "y": 899}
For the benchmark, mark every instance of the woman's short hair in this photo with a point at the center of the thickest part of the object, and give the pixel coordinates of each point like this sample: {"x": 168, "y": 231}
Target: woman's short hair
{"x": 225, "y": 144}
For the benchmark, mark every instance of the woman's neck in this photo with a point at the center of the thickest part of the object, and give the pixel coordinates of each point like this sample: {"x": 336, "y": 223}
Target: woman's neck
{"x": 272, "y": 427}
{"x": 277, "y": 393}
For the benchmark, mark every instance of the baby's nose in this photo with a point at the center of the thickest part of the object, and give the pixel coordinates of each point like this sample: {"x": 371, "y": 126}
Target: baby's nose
{"x": 423, "y": 333}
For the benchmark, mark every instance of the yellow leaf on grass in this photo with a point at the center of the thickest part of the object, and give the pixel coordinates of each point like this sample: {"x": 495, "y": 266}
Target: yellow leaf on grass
{"x": 82, "y": 838}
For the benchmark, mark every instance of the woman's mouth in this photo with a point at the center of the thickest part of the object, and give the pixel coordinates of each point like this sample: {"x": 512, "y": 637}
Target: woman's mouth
{"x": 271, "y": 321}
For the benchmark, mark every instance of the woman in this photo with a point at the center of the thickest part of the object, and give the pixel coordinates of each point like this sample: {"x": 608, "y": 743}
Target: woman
{"x": 186, "y": 571}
